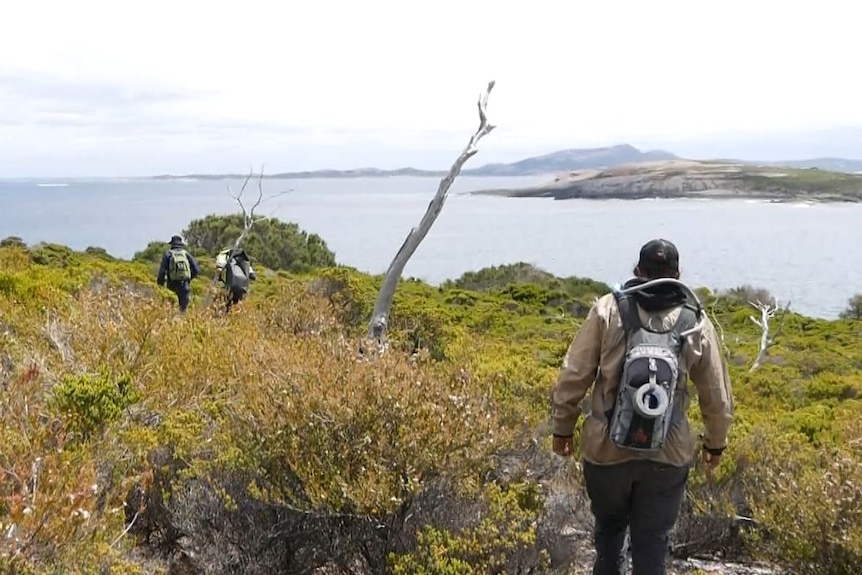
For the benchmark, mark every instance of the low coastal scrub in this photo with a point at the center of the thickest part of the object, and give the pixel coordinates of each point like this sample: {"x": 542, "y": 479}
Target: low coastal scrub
{"x": 138, "y": 440}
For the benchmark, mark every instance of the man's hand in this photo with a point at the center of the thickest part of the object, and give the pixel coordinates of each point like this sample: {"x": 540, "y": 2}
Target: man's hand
{"x": 563, "y": 445}
{"x": 710, "y": 460}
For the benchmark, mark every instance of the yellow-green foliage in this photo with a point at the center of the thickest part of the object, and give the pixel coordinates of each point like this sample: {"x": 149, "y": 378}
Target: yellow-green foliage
{"x": 97, "y": 370}
{"x": 276, "y": 390}
{"x": 794, "y": 448}
{"x": 488, "y": 546}
{"x": 88, "y": 403}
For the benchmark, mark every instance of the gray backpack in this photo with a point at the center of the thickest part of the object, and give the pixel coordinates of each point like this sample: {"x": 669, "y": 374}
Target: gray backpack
{"x": 236, "y": 278}
{"x": 644, "y": 409}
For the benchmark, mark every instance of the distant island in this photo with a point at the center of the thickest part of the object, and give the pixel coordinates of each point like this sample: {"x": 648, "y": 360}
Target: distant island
{"x": 696, "y": 179}
{"x": 559, "y": 162}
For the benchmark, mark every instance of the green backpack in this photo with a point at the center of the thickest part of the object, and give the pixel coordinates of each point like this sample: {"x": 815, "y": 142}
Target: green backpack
{"x": 179, "y": 268}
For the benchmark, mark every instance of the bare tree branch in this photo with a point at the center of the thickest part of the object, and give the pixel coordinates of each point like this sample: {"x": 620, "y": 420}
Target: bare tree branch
{"x": 126, "y": 530}
{"x": 383, "y": 305}
{"x": 249, "y": 218}
{"x": 767, "y": 312}
{"x": 780, "y": 329}
{"x": 717, "y": 323}
{"x": 59, "y": 336}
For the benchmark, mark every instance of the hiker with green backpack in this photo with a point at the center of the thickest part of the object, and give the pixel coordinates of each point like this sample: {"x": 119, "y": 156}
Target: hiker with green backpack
{"x": 178, "y": 269}
{"x": 637, "y": 349}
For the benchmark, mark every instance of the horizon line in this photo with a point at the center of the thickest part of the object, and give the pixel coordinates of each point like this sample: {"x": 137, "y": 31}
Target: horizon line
{"x": 435, "y": 171}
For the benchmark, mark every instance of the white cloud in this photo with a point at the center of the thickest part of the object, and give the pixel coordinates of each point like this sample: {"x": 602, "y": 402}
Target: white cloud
{"x": 100, "y": 85}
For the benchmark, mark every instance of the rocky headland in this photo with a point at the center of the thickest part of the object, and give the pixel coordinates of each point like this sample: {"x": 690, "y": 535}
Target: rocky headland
{"x": 696, "y": 179}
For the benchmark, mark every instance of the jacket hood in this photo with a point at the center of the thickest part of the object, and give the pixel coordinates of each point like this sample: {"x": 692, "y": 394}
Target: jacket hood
{"x": 658, "y": 297}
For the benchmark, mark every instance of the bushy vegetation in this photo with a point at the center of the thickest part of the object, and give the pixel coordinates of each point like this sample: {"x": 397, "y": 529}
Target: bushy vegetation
{"x": 135, "y": 440}
{"x": 272, "y": 243}
{"x": 854, "y": 308}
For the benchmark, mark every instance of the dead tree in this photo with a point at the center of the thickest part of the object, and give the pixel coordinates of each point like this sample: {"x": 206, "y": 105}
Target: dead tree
{"x": 767, "y": 312}
{"x": 249, "y": 218}
{"x": 383, "y": 305}
{"x": 720, "y": 328}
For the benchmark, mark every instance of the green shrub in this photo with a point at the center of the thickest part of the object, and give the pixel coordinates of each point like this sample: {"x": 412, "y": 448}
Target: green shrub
{"x": 52, "y": 255}
{"x": 854, "y": 308}
{"x": 277, "y": 396}
{"x": 88, "y": 402}
{"x": 494, "y": 544}
{"x": 274, "y": 244}
{"x": 13, "y": 242}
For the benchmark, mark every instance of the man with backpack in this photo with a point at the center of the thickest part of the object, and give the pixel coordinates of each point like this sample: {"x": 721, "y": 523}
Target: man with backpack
{"x": 235, "y": 272}
{"x": 637, "y": 347}
{"x": 178, "y": 269}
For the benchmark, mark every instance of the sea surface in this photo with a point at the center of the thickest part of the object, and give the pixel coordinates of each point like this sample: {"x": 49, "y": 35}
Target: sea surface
{"x": 808, "y": 254}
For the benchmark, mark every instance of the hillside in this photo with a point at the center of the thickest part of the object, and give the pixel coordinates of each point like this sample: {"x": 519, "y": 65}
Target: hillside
{"x": 569, "y": 160}
{"x": 694, "y": 179}
{"x": 553, "y": 163}
{"x": 134, "y": 440}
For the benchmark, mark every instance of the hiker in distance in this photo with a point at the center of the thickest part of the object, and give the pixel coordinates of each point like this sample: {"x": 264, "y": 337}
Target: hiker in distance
{"x": 178, "y": 269}
{"x": 235, "y": 272}
{"x": 638, "y": 346}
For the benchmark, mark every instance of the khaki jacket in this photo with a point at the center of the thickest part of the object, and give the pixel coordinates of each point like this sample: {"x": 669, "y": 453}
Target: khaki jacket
{"x": 596, "y": 356}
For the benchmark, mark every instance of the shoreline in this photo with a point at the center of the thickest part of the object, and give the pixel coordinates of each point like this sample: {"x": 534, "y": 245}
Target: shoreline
{"x": 696, "y": 180}
{"x": 543, "y": 193}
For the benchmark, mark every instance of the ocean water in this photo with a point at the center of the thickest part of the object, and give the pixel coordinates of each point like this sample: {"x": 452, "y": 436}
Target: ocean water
{"x": 808, "y": 254}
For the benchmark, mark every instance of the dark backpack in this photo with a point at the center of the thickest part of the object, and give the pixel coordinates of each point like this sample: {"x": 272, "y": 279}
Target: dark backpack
{"x": 179, "y": 268}
{"x": 236, "y": 277}
{"x": 644, "y": 408}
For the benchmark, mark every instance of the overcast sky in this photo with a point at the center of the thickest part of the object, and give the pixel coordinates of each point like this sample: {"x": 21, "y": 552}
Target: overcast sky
{"x": 96, "y": 87}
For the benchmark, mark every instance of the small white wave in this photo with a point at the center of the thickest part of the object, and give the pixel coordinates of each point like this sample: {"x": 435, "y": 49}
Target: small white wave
{"x": 53, "y": 185}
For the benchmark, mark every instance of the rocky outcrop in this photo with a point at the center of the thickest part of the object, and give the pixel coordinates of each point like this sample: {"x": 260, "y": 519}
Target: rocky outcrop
{"x": 693, "y": 179}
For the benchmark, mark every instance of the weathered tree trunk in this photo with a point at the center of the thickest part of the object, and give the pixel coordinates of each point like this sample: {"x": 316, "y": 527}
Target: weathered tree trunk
{"x": 767, "y": 312}
{"x": 380, "y": 316}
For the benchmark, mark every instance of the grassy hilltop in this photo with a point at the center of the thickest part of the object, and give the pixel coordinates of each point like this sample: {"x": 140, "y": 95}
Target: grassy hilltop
{"x": 135, "y": 440}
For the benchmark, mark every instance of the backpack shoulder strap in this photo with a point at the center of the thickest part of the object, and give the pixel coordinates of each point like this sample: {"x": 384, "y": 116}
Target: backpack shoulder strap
{"x": 628, "y": 313}
{"x": 688, "y": 317}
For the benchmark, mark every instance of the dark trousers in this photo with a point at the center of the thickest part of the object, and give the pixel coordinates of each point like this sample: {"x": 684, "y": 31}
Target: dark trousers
{"x": 643, "y": 496}
{"x": 183, "y": 293}
{"x": 233, "y": 297}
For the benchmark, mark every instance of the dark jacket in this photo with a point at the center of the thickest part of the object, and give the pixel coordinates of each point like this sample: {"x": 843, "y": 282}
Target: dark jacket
{"x": 163, "y": 270}
{"x": 241, "y": 259}
{"x": 244, "y": 262}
